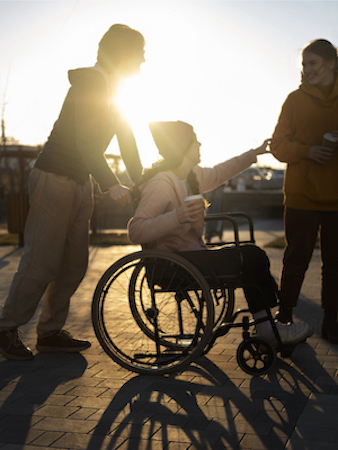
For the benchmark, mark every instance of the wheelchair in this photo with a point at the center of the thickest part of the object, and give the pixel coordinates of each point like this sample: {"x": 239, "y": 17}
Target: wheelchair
{"x": 153, "y": 312}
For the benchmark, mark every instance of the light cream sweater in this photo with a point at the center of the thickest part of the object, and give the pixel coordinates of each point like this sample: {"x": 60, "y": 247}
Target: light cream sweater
{"x": 155, "y": 221}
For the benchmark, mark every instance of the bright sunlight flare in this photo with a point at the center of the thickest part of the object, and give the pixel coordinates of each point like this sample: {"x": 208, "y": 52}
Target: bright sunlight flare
{"x": 136, "y": 105}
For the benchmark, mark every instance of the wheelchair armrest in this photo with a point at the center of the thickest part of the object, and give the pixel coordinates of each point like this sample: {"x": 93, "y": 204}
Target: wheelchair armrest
{"x": 231, "y": 218}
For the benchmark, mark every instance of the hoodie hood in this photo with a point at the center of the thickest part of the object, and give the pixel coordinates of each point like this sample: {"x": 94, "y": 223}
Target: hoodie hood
{"x": 313, "y": 91}
{"x": 76, "y": 74}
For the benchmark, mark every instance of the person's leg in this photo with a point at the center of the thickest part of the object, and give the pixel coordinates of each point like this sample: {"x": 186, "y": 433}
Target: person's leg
{"x": 45, "y": 234}
{"x": 260, "y": 291}
{"x": 73, "y": 266}
{"x": 250, "y": 263}
{"x": 301, "y": 229}
{"x": 51, "y": 204}
{"x": 260, "y": 287}
{"x": 329, "y": 256}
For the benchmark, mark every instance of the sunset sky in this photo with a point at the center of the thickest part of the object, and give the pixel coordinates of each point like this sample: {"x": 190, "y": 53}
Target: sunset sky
{"x": 226, "y": 67}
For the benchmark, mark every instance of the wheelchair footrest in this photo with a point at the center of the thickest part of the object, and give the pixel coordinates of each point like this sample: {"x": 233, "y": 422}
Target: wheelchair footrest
{"x": 220, "y": 331}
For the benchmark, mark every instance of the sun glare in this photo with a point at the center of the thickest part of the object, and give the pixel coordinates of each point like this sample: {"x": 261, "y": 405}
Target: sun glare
{"x": 136, "y": 107}
{"x": 187, "y": 78}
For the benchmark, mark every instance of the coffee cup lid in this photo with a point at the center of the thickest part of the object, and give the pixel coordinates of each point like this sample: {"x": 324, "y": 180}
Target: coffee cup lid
{"x": 330, "y": 137}
{"x": 193, "y": 197}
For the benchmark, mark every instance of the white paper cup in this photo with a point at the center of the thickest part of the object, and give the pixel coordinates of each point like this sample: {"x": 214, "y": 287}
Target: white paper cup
{"x": 200, "y": 222}
{"x": 330, "y": 141}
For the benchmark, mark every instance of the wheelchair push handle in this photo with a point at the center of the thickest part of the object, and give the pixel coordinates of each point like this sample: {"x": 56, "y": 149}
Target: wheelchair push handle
{"x": 231, "y": 218}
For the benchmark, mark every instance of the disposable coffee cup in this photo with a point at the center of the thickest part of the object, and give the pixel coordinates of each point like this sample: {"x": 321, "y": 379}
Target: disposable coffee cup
{"x": 200, "y": 222}
{"x": 330, "y": 141}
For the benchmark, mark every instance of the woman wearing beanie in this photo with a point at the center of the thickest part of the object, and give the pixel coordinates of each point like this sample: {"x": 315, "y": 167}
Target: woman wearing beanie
{"x": 164, "y": 221}
{"x": 311, "y": 181}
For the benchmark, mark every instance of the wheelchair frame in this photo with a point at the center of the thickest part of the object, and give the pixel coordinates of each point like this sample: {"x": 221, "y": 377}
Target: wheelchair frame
{"x": 153, "y": 312}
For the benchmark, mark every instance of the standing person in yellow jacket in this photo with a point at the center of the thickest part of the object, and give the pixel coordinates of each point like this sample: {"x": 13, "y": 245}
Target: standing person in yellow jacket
{"x": 311, "y": 181}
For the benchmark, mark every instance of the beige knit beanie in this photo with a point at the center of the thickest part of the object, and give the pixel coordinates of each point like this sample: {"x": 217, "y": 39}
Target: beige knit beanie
{"x": 172, "y": 139}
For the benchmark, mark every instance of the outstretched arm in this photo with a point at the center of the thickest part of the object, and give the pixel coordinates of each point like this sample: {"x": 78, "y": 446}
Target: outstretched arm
{"x": 211, "y": 178}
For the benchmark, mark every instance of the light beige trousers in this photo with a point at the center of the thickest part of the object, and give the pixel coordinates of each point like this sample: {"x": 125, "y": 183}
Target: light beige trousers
{"x": 55, "y": 255}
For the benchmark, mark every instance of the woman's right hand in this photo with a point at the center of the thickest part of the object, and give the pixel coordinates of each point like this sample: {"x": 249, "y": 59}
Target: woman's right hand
{"x": 320, "y": 154}
{"x": 190, "y": 212}
{"x": 262, "y": 148}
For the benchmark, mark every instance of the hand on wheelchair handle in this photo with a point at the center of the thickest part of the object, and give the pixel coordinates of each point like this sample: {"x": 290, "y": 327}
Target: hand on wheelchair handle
{"x": 190, "y": 212}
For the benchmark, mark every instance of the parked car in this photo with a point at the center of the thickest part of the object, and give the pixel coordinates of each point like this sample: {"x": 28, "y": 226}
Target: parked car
{"x": 250, "y": 178}
{"x": 274, "y": 178}
{"x": 255, "y": 178}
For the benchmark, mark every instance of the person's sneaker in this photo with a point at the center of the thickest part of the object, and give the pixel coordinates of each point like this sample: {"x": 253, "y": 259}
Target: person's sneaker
{"x": 293, "y": 333}
{"x": 61, "y": 341}
{"x": 11, "y": 347}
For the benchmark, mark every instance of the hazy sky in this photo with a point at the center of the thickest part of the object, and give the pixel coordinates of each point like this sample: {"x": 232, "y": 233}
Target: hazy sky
{"x": 226, "y": 67}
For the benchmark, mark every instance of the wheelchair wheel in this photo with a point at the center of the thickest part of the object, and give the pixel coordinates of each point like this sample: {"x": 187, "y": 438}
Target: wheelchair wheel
{"x": 224, "y": 303}
{"x": 256, "y": 356}
{"x": 152, "y": 312}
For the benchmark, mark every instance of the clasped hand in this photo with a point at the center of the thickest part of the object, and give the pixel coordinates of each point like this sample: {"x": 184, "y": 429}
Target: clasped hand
{"x": 262, "y": 148}
{"x": 320, "y": 153}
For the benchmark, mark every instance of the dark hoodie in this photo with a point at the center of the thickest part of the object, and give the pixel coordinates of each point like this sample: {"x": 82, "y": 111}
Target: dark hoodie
{"x": 306, "y": 116}
{"x": 80, "y": 136}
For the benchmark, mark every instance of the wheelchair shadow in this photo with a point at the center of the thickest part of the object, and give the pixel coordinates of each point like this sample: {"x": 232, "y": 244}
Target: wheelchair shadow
{"x": 202, "y": 408}
{"x": 26, "y": 388}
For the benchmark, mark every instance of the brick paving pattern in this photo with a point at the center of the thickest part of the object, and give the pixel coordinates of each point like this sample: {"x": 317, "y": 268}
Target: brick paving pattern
{"x": 86, "y": 401}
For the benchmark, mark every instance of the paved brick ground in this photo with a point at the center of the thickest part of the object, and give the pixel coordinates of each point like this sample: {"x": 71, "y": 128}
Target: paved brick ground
{"x": 86, "y": 401}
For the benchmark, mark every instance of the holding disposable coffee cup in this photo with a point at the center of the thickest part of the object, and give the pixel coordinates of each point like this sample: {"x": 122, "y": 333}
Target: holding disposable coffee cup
{"x": 200, "y": 221}
{"x": 330, "y": 141}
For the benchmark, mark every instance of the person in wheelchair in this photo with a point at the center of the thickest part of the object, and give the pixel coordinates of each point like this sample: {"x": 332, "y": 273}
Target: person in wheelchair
{"x": 163, "y": 220}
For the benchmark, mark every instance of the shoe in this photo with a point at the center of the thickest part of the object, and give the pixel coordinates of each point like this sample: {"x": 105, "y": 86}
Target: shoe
{"x": 284, "y": 315}
{"x": 11, "y": 347}
{"x": 293, "y": 333}
{"x": 61, "y": 341}
{"x": 330, "y": 333}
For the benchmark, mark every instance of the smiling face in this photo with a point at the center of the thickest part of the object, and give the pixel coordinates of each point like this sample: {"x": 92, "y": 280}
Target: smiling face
{"x": 317, "y": 70}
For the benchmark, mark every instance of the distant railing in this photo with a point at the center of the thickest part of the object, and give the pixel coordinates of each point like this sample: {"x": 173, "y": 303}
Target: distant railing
{"x": 16, "y": 162}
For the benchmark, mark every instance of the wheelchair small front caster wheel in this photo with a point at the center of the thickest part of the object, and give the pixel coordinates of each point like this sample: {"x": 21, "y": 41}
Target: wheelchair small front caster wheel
{"x": 256, "y": 356}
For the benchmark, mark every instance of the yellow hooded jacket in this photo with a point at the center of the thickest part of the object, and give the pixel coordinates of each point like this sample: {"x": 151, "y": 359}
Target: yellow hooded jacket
{"x": 305, "y": 117}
